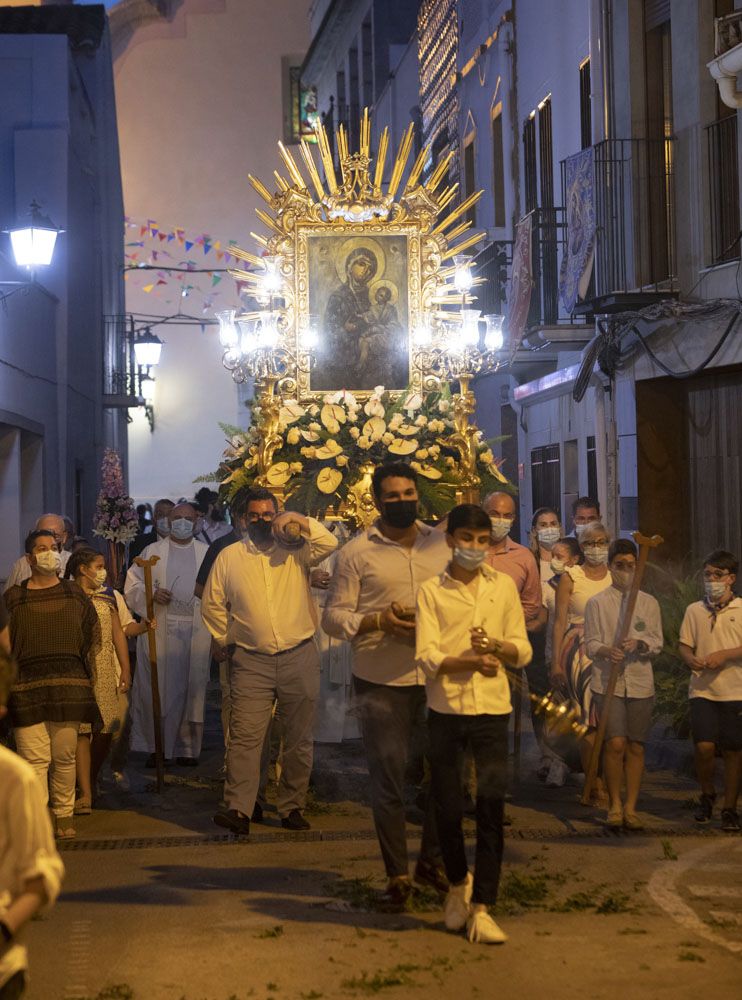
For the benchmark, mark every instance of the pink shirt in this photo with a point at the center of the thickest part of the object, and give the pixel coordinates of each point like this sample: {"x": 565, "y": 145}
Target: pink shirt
{"x": 520, "y": 565}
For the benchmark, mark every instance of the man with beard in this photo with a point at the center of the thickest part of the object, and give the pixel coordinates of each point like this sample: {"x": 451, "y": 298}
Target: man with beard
{"x": 257, "y": 605}
{"x": 372, "y": 604}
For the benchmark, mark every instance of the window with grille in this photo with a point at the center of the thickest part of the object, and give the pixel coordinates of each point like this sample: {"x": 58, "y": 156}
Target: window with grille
{"x": 470, "y": 179}
{"x": 546, "y": 477}
{"x": 530, "y": 166}
{"x": 592, "y": 468}
{"x": 546, "y": 154}
{"x": 498, "y": 178}
{"x": 586, "y": 117}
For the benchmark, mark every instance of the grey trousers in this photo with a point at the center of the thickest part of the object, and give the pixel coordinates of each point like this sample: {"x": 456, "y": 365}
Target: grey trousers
{"x": 255, "y": 680}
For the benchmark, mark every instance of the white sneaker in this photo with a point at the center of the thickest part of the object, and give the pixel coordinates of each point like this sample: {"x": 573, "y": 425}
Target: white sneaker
{"x": 482, "y": 929}
{"x": 457, "y": 907}
{"x": 557, "y": 774}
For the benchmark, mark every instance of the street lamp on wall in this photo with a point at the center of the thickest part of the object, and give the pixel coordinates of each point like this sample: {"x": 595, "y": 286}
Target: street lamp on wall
{"x": 33, "y": 244}
{"x": 147, "y": 349}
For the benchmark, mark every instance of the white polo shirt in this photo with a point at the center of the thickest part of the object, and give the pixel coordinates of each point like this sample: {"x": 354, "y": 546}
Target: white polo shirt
{"x": 696, "y": 631}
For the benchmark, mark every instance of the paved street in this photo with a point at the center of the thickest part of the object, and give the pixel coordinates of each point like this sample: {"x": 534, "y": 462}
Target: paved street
{"x": 159, "y": 905}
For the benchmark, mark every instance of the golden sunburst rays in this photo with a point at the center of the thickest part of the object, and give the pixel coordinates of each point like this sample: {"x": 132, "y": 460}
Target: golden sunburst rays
{"x": 309, "y": 189}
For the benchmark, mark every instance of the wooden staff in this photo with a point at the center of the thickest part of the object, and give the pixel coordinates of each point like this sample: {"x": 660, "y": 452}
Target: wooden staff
{"x": 645, "y": 544}
{"x": 147, "y": 565}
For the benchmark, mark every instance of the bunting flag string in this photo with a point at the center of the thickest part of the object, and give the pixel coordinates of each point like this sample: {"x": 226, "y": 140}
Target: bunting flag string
{"x": 148, "y": 244}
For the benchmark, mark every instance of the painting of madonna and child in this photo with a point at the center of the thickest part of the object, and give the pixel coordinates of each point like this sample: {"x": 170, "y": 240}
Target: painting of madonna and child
{"x": 358, "y": 291}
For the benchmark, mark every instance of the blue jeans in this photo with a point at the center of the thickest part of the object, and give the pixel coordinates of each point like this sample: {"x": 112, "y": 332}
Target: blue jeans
{"x": 487, "y": 736}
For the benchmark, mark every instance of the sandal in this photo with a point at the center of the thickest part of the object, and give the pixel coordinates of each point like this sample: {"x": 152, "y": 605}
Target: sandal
{"x": 83, "y": 807}
{"x": 64, "y": 830}
{"x": 615, "y": 818}
{"x": 632, "y": 822}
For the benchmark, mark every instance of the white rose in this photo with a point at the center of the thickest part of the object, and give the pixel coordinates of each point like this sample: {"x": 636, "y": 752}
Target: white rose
{"x": 296, "y": 466}
{"x": 364, "y": 442}
{"x": 341, "y": 460}
{"x": 352, "y": 416}
{"x": 314, "y": 426}
{"x": 434, "y": 451}
{"x": 444, "y": 406}
{"x": 355, "y": 433}
{"x": 396, "y": 421}
{"x": 293, "y": 436}
{"x": 309, "y": 452}
{"x": 378, "y": 390}
{"x": 421, "y": 421}
{"x": 387, "y": 438}
{"x": 422, "y": 454}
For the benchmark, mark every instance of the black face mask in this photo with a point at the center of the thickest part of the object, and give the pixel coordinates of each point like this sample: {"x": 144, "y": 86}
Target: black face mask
{"x": 400, "y": 513}
{"x": 260, "y": 531}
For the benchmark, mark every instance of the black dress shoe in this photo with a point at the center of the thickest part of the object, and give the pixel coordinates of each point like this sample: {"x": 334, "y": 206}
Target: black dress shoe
{"x": 257, "y": 813}
{"x": 233, "y": 821}
{"x": 295, "y": 821}
{"x": 187, "y": 761}
{"x": 428, "y": 873}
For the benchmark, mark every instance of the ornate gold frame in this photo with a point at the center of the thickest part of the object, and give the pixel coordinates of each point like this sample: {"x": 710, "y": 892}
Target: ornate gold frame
{"x": 363, "y": 200}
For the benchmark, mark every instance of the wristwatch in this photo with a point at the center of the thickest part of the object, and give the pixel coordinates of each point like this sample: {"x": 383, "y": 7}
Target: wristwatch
{"x": 6, "y": 933}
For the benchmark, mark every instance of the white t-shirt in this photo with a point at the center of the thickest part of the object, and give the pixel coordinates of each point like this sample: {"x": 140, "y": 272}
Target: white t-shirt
{"x": 696, "y": 631}
{"x": 27, "y": 848}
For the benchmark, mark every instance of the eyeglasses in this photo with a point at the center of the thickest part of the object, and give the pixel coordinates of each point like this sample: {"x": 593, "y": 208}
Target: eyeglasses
{"x": 715, "y": 574}
{"x": 265, "y": 518}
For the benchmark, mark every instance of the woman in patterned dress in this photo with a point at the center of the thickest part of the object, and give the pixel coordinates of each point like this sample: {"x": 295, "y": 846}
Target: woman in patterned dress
{"x": 570, "y": 664}
{"x": 111, "y": 676}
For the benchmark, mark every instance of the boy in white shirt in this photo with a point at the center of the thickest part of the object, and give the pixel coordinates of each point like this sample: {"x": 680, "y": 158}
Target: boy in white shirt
{"x": 470, "y": 624}
{"x": 30, "y": 868}
{"x": 711, "y": 645}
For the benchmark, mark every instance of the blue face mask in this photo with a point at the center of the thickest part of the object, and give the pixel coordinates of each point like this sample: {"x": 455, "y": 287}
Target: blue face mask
{"x": 469, "y": 559}
{"x": 181, "y": 528}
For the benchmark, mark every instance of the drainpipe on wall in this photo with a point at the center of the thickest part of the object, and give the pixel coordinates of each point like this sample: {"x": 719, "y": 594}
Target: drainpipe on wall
{"x": 511, "y": 47}
{"x": 605, "y": 431}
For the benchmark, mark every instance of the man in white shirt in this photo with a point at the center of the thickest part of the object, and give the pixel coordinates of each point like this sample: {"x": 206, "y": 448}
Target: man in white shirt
{"x": 711, "y": 645}
{"x": 183, "y": 644}
{"x": 257, "y": 602}
{"x": 470, "y": 623}
{"x": 630, "y": 712}
{"x": 21, "y": 568}
{"x": 372, "y": 604}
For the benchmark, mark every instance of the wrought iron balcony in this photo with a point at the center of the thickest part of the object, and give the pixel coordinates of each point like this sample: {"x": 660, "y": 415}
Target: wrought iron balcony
{"x": 723, "y": 191}
{"x": 635, "y": 254}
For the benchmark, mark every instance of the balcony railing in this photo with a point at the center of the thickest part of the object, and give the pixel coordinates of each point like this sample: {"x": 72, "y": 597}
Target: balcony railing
{"x": 634, "y": 216}
{"x": 494, "y": 262}
{"x": 121, "y": 376}
{"x": 723, "y": 174}
{"x": 727, "y": 32}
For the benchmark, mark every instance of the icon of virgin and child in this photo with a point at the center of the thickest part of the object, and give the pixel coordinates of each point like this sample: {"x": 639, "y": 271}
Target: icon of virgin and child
{"x": 363, "y": 321}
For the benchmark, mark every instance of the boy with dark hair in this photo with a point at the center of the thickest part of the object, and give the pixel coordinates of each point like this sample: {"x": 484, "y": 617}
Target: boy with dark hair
{"x": 470, "y": 624}
{"x": 30, "y": 868}
{"x": 630, "y": 712}
{"x": 585, "y": 510}
{"x": 711, "y": 645}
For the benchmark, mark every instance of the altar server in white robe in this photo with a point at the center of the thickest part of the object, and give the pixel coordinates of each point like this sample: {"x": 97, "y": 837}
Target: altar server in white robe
{"x": 183, "y": 643}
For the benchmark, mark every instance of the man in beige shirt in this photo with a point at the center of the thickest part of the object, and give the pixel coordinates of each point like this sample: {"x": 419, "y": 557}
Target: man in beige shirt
{"x": 257, "y": 603}
{"x": 371, "y": 604}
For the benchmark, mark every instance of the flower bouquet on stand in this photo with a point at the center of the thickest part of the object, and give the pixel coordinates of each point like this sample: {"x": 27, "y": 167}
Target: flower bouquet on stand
{"x": 115, "y": 516}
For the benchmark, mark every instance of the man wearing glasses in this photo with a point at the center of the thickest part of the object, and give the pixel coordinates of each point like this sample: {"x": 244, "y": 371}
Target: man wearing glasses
{"x": 711, "y": 645}
{"x": 258, "y": 606}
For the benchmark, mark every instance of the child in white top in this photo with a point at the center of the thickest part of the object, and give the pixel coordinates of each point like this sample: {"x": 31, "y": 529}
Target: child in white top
{"x": 30, "y": 869}
{"x": 711, "y": 645}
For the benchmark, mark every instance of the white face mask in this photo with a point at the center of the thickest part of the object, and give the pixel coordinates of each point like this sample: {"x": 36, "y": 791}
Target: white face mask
{"x": 470, "y": 559}
{"x": 622, "y": 578}
{"x": 548, "y": 536}
{"x": 181, "y": 528}
{"x": 500, "y": 527}
{"x": 596, "y": 555}
{"x": 558, "y": 566}
{"x": 49, "y": 562}
{"x": 715, "y": 589}
{"x": 101, "y": 576}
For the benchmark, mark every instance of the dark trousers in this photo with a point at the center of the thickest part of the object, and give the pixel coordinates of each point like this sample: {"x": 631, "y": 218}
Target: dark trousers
{"x": 387, "y": 716}
{"x": 14, "y": 988}
{"x": 487, "y": 737}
